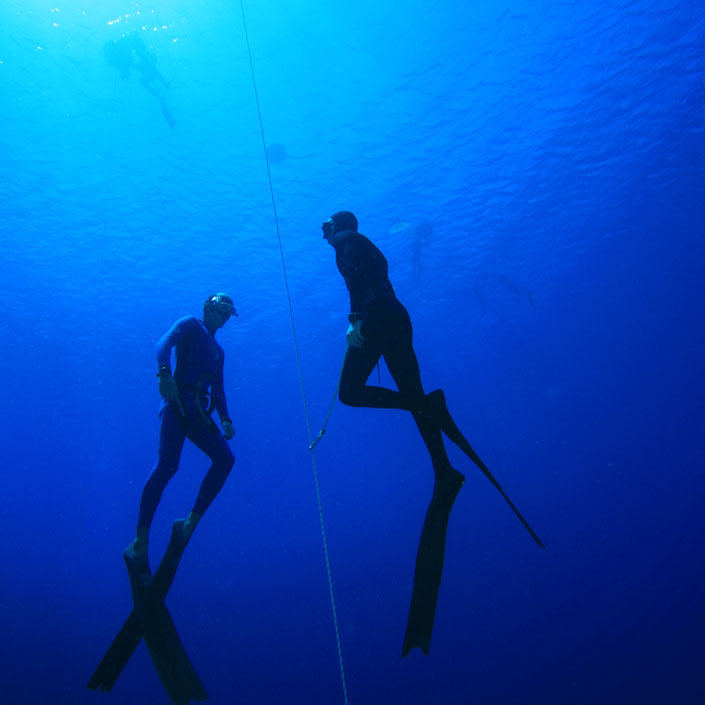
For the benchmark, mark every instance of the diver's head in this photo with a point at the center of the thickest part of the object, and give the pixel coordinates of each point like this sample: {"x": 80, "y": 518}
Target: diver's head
{"x": 342, "y": 220}
{"x": 217, "y": 309}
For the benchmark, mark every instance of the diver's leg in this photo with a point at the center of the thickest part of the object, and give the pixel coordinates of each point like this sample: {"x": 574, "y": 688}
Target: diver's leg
{"x": 171, "y": 442}
{"x": 359, "y": 363}
{"x": 379, "y": 333}
{"x": 208, "y": 439}
{"x": 167, "y": 114}
{"x": 404, "y": 367}
{"x": 148, "y": 87}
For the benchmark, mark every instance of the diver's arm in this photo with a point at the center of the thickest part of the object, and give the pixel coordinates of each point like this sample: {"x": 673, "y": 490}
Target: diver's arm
{"x": 356, "y": 282}
{"x": 167, "y": 385}
{"x": 220, "y": 403}
{"x": 180, "y": 329}
{"x": 356, "y": 269}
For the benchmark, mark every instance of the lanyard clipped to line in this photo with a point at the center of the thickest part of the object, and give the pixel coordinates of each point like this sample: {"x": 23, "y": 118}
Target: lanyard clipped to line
{"x": 315, "y": 441}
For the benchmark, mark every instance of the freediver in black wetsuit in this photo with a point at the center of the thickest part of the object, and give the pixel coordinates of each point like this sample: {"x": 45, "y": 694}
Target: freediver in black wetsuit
{"x": 387, "y": 332}
{"x": 380, "y": 327}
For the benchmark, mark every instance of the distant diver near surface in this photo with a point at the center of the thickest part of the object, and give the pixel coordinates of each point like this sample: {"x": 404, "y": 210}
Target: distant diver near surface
{"x": 380, "y": 327}
{"x": 189, "y": 397}
{"x": 130, "y": 52}
{"x": 421, "y": 236}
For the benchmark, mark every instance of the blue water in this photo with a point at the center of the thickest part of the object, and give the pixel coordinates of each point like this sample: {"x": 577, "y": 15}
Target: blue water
{"x": 557, "y": 152}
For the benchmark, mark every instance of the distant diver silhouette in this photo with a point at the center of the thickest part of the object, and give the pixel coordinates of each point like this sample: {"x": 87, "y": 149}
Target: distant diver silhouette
{"x": 420, "y": 236}
{"x": 130, "y": 52}
{"x": 486, "y": 280}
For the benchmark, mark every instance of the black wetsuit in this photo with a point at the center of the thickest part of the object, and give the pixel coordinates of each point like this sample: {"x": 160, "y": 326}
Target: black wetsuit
{"x": 387, "y": 330}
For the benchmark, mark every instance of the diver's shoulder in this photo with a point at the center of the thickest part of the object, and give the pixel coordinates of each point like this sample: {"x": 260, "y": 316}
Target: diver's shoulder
{"x": 188, "y": 324}
{"x": 367, "y": 244}
{"x": 356, "y": 239}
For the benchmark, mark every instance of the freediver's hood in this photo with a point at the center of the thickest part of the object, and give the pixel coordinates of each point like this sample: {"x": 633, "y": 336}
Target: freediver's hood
{"x": 344, "y": 220}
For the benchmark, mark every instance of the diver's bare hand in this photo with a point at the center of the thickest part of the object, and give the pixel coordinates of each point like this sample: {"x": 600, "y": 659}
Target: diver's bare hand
{"x": 354, "y": 336}
{"x": 170, "y": 392}
{"x": 168, "y": 388}
{"x": 228, "y": 429}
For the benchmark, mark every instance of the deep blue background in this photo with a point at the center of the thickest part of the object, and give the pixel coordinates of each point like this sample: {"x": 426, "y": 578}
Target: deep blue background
{"x": 556, "y": 149}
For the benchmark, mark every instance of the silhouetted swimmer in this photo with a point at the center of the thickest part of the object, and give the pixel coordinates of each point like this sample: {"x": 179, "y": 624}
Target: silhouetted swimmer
{"x": 420, "y": 236}
{"x": 130, "y": 52}
{"x": 380, "y": 326}
{"x": 484, "y": 281}
{"x": 189, "y": 397}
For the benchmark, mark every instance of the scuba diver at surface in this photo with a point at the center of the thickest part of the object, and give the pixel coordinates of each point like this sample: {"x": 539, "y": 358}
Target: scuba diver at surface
{"x": 189, "y": 396}
{"x": 380, "y": 327}
{"x": 130, "y": 52}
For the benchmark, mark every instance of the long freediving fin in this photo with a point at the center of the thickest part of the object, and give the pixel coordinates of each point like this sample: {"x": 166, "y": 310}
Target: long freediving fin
{"x": 448, "y": 426}
{"x": 429, "y": 563}
{"x": 129, "y": 636}
{"x": 175, "y": 670}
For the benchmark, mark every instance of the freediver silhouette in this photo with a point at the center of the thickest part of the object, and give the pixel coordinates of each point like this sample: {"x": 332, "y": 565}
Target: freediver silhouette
{"x": 420, "y": 235}
{"x": 380, "y": 326}
{"x": 130, "y": 52}
{"x": 486, "y": 281}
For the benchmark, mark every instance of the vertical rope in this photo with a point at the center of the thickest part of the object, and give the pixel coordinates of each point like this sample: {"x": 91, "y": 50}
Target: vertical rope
{"x": 298, "y": 364}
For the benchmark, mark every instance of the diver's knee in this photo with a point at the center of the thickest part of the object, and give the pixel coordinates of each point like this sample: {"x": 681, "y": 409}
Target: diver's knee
{"x": 165, "y": 468}
{"x": 349, "y": 395}
{"x": 227, "y": 462}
